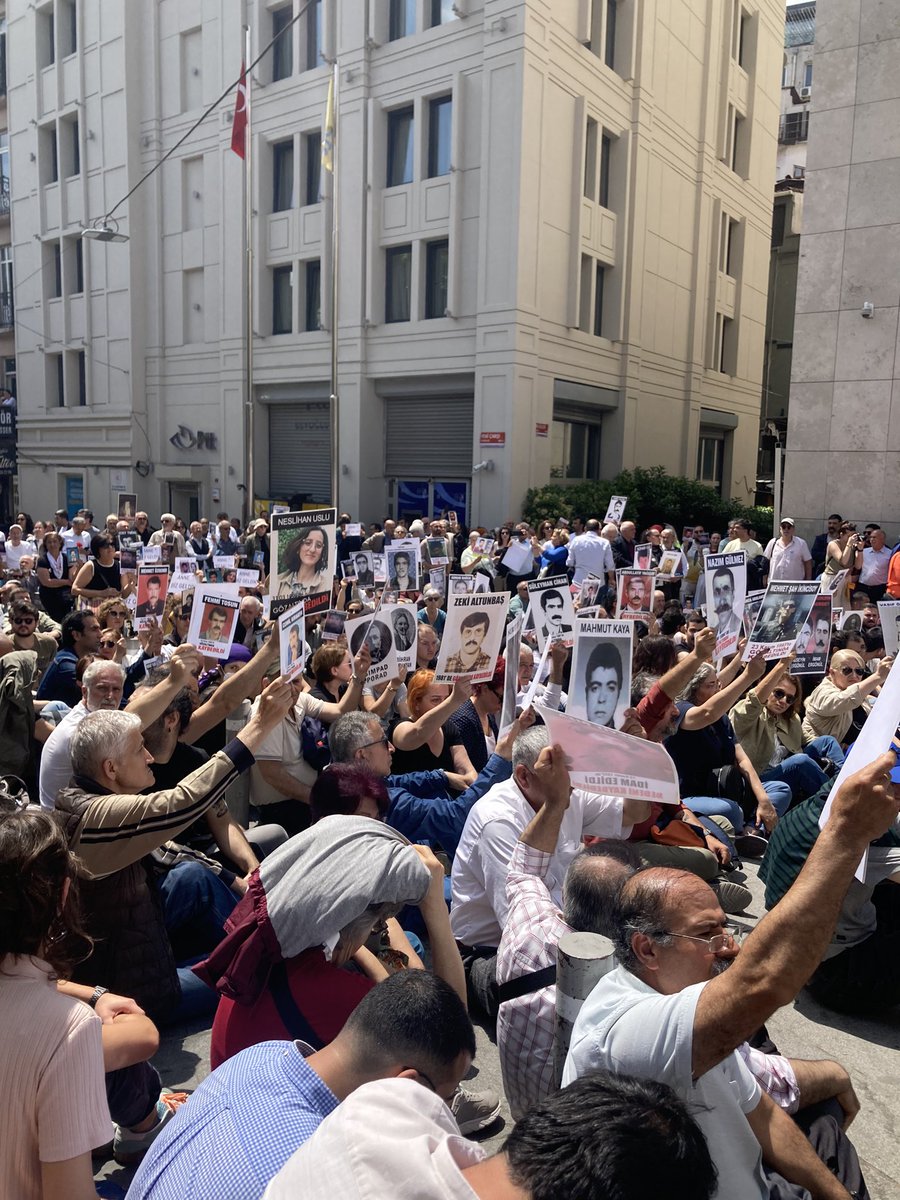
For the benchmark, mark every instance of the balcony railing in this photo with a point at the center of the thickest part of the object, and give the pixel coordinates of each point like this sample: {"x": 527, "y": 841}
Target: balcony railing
{"x": 7, "y": 311}
{"x": 4, "y": 195}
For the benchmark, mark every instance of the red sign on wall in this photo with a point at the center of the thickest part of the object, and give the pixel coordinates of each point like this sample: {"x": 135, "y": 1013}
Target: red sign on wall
{"x": 541, "y": 429}
{"x": 493, "y": 439}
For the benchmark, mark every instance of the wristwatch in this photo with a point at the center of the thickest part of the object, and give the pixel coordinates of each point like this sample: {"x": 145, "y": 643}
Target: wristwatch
{"x": 96, "y": 994}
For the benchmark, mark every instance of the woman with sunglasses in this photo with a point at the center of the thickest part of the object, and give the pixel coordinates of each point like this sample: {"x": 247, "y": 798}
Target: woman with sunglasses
{"x": 101, "y": 576}
{"x": 767, "y": 724}
{"x": 829, "y": 708}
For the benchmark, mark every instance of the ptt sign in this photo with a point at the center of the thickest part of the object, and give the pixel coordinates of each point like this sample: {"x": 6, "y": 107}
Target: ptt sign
{"x": 186, "y": 439}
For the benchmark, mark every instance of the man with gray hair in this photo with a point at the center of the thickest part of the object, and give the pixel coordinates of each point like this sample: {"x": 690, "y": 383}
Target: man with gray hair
{"x": 112, "y": 828}
{"x": 492, "y": 828}
{"x": 424, "y": 805}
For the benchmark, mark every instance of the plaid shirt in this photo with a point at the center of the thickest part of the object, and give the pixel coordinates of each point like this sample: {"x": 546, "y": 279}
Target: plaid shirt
{"x": 525, "y": 1026}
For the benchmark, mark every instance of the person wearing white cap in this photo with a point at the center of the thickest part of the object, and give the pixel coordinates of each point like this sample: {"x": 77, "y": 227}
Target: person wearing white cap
{"x": 168, "y": 535}
{"x": 788, "y": 555}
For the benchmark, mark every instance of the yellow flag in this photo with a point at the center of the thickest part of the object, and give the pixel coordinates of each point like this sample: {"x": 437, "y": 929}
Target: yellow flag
{"x": 328, "y": 131}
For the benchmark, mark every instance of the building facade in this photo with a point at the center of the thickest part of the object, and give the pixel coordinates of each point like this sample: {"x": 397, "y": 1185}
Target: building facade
{"x": 843, "y": 452}
{"x": 553, "y": 228}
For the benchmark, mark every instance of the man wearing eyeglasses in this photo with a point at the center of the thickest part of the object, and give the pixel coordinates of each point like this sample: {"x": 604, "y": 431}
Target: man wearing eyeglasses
{"x": 829, "y": 709}
{"x": 684, "y": 998}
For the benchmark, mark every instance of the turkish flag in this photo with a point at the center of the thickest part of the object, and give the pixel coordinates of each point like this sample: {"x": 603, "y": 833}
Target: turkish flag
{"x": 239, "y": 124}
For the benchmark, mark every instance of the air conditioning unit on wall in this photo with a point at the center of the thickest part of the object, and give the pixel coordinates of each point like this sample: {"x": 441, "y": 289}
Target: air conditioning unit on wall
{"x": 806, "y": 93}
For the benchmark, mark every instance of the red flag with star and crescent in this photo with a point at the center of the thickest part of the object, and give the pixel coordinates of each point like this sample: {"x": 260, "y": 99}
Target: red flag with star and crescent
{"x": 239, "y": 124}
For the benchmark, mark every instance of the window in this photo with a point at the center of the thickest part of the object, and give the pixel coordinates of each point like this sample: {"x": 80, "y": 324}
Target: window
{"x": 312, "y": 143}
{"x": 440, "y": 12}
{"x": 4, "y": 174}
{"x": 7, "y": 311}
{"x": 440, "y": 115}
{"x": 437, "y": 265}
{"x": 82, "y": 379}
{"x": 397, "y": 283}
{"x": 283, "y": 175}
{"x": 807, "y": 74}
{"x": 68, "y": 27}
{"x": 725, "y": 347}
{"x": 599, "y": 279}
{"x": 71, "y": 147}
{"x": 728, "y": 246}
{"x": 56, "y": 384}
{"x": 402, "y": 19}
{"x": 787, "y": 71}
{"x": 2, "y": 56}
{"x": 77, "y": 268}
{"x": 56, "y": 268}
{"x": 46, "y": 38}
{"x": 49, "y": 155}
{"x": 609, "y": 43}
{"x": 282, "y": 300}
{"x": 283, "y": 49}
{"x": 605, "y": 152}
{"x": 794, "y": 127}
{"x": 739, "y": 161}
{"x": 312, "y": 309}
{"x": 314, "y": 35}
{"x": 592, "y": 133}
{"x": 743, "y": 39}
{"x": 710, "y": 458}
{"x": 575, "y": 450}
{"x": 593, "y": 284}
{"x": 400, "y": 147}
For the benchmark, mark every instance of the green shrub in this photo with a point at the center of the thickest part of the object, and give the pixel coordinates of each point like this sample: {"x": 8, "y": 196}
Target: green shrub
{"x": 654, "y": 497}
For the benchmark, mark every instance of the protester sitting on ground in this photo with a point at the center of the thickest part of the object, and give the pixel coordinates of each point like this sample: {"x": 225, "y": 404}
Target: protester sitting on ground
{"x": 766, "y": 723}
{"x": 100, "y": 577}
{"x": 858, "y": 970}
{"x": 428, "y": 643}
{"x": 426, "y": 742}
{"x": 704, "y": 743}
{"x": 22, "y": 617}
{"x": 80, "y": 635}
{"x": 829, "y": 708}
{"x": 481, "y": 863}
{"x": 51, "y": 1054}
{"x": 474, "y": 725}
{"x": 332, "y": 669}
{"x": 668, "y": 1012}
{"x": 432, "y": 614}
{"x": 252, "y": 1112}
{"x": 605, "y": 1136}
{"x": 333, "y": 883}
{"x": 112, "y": 828}
{"x": 655, "y": 654}
{"x": 423, "y": 805}
{"x": 281, "y": 778}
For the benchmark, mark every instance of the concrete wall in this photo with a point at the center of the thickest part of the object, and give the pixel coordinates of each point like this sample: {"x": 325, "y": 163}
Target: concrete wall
{"x": 844, "y": 423}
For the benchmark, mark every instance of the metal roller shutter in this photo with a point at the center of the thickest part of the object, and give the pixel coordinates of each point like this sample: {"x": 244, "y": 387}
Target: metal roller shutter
{"x": 428, "y": 437}
{"x": 300, "y": 450}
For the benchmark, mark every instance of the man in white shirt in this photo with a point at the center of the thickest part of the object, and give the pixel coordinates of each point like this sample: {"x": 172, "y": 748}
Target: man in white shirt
{"x": 101, "y": 688}
{"x": 591, "y": 554}
{"x": 393, "y": 1137}
{"x": 481, "y": 863}
{"x": 671, "y": 1011}
{"x": 875, "y": 564}
{"x": 789, "y": 555}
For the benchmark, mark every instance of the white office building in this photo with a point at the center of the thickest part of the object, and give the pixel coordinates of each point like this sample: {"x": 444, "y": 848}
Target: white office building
{"x": 554, "y": 226}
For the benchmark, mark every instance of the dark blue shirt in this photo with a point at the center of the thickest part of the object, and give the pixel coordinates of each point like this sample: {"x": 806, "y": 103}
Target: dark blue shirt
{"x": 698, "y": 752}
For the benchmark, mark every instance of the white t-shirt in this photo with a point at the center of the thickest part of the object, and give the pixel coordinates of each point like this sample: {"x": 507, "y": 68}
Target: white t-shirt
{"x": 391, "y": 1138}
{"x": 56, "y": 756}
{"x": 282, "y": 745}
{"x": 627, "y": 1027}
{"x": 489, "y": 837}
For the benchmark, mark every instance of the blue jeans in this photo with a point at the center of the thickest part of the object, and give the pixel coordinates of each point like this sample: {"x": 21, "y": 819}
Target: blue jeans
{"x": 708, "y": 806}
{"x": 801, "y": 772}
{"x": 196, "y": 904}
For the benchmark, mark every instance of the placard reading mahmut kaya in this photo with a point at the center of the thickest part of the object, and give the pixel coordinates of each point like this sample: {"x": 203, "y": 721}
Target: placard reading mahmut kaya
{"x": 304, "y": 556}
{"x": 552, "y": 610}
{"x": 610, "y": 762}
{"x": 213, "y": 618}
{"x": 600, "y": 682}
{"x": 472, "y": 636}
{"x": 726, "y": 587}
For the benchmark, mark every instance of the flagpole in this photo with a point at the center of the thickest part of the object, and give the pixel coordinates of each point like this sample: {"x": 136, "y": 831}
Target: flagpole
{"x": 249, "y": 477}
{"x": 335, "y": 402}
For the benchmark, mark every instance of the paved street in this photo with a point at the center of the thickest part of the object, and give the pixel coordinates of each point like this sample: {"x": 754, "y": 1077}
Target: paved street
{"x": 870, "y": 1050}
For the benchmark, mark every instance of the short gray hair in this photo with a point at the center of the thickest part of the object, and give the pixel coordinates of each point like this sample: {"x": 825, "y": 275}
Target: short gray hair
{"x": 698, "y": 678}
{"x": 99, "y": 736}
{"x": 349, "y": 733}
{"x": 528, "y": 746}
{"x": 97, "y": 667}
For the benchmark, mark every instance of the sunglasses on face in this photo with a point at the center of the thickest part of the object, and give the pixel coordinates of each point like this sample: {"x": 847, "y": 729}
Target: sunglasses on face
{"x": 23, "y": 621}
{"x": 848, "y": 671}
{"x": 778, "y": 694}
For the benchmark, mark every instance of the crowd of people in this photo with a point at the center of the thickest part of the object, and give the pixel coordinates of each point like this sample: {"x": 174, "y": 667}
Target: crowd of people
{"x": 336, "y": 874}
